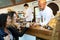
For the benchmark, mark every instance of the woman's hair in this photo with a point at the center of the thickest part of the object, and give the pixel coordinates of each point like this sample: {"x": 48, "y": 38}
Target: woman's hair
{"x": 3, "y": 20}
{"x": 11, "y": 14}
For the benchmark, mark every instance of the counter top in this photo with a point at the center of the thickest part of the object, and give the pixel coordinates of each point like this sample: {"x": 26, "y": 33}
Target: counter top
{"x": 40, "y": 32}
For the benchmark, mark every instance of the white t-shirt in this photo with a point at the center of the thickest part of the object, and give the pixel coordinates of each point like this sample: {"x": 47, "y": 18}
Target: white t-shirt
{"x": 28, "y": 14}
{"x": 47, "y": 14}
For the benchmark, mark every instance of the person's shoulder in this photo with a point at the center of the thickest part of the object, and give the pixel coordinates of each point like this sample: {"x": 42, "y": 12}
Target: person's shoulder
{"x": 48, "y": 8}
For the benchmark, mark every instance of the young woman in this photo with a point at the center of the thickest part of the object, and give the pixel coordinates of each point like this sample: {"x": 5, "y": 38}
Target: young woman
{"x": 14, "y": 25}
{"x": 4, "y": 32}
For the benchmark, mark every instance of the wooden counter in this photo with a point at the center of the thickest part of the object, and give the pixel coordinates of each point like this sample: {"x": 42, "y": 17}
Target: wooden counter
{"x": 39, "y": 32}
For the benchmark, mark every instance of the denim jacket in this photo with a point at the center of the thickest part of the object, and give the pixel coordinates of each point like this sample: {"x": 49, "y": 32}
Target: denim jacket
{"x": 2, "y": 34}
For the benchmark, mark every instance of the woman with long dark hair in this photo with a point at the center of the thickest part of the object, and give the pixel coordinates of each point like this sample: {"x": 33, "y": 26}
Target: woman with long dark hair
{"x": 3, "y": 32}
{"x": 13, "y": 27}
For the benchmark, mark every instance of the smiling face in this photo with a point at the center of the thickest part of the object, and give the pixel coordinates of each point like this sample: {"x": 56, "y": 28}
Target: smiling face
{"x": 8, "y": 20}
{"x": 14, "y": 18}
{"x": 42, "y": 4}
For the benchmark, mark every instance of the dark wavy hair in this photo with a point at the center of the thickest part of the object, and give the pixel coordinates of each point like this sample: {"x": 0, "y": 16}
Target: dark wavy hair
{"x": 11, "y": 14}
{"x": 3, "y": 20}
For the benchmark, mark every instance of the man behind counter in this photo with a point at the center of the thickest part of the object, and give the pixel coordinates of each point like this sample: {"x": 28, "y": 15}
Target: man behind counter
{"x": 45, "y": 14}
{"x": 28, "y": 12}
